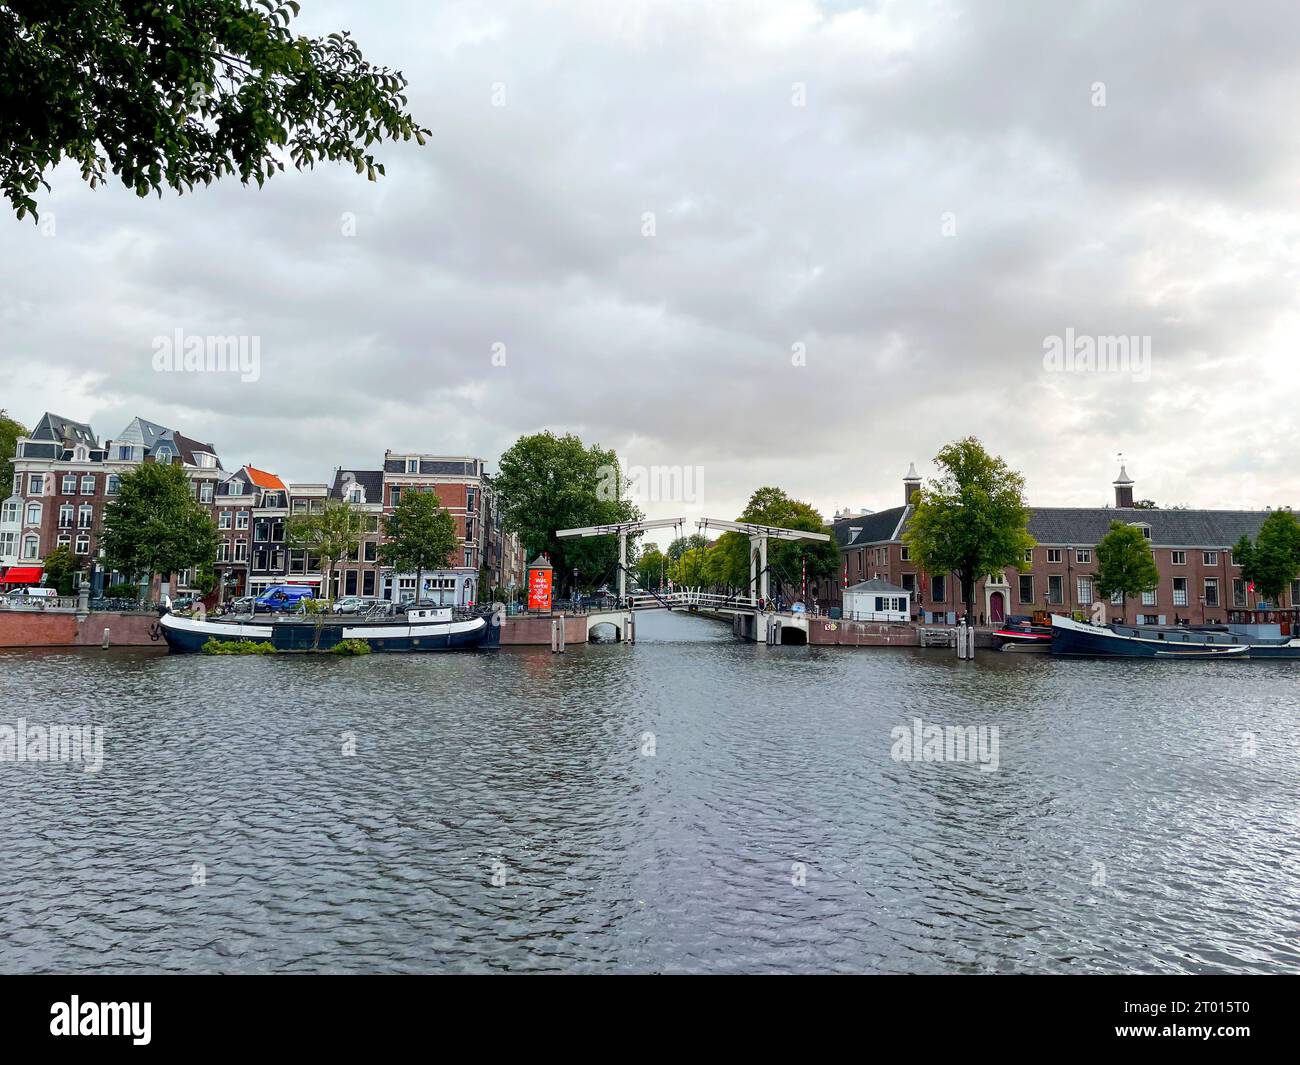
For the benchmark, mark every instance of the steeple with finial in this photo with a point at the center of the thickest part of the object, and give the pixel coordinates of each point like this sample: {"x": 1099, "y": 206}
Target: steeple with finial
{"x": 911, "y": 483}
{"x": 1123, "y": 486}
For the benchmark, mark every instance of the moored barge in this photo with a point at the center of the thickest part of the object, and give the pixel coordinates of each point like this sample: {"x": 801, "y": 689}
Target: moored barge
{"x": 433, "y": 629}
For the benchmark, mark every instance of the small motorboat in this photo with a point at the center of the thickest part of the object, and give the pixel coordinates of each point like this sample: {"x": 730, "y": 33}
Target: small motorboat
{"x": 1020, "y": 633}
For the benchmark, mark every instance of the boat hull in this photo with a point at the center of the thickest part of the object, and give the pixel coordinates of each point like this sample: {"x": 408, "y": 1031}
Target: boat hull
{"x": 189, "y": 635}
{"x": 1096, "y": 641}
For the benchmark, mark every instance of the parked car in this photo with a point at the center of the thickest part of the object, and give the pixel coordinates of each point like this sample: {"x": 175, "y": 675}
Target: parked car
{"x": 185, "y": 602}
{"x": 282, "y": 597}
{"x": 242, "y": 605}
{"x": 355, "y": 604}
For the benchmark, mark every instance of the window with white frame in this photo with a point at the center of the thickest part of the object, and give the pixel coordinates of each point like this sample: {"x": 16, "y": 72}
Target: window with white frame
{"x": 223, "y": 519}
{"x": 412, "y": 465}
{"x": 1210, "y": 558}
{"x": 31, "y": 547}
{"x": 1149, "y": 598}
{"x": 88, "y": 485}
{"x": 1178, "y": 558}
{"x": 241, "y": 520}
{"x": 1212, "y": 592}
{"x": 1053, "y": 554}
{"x": 1085, "y": 591}
{"x": 69, "y": 485}
{"x": 1083, "y": 555}
{"x": 65, "y": 516}
{"x": 83, "y": 543}
{"x": 85, "y": 517}
{"x": 205, "y": 492}
{"x": 241, "y": 550}
{"x": 33, "y": 513}
{"x": 112, "y": 484}
{"x": 1180, "y": 591}
{"x": 36, "y": 484}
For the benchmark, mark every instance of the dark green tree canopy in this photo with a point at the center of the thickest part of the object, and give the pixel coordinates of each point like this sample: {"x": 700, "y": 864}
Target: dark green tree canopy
{"x": 10, "y": 431}
{"x": 774, "y": 506}
{"x": 180, "y": 93}
{"x": 421, "y": 534}
{"x": 972, "y": 520}
{"x": 1273, "y": 560}
{"x": 550, "y": 482}
{"x": 331, "y": 534}
{"x": 154, "y": 525}
{"x": 1125, "y": 564}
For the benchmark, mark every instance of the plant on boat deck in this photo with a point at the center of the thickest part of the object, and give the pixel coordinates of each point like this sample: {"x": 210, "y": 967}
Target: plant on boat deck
{"x": 351, "y": 647}
{"x": 1125, "y": 565}
{"x": 237, "y": 647}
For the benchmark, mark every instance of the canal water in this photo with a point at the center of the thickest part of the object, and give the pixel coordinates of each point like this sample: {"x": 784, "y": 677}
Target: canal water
{"x": 689, "y": 804}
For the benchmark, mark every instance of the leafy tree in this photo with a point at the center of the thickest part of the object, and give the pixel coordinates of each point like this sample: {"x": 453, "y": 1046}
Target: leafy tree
{"x": 683, "y": 544}
{"x": 332, "y": 535}
{"x": 651, "y": 567}
{"x": 1125, "y": 563}
{"x": 1146, "y": 504}
{"x": 692, "y": 569}
{"x": 61, "y": 570}
{"x": 785, "y": 558}
{"x": 10, "y": 431}
{"x": 154, "y": 526}
{"x": 181, "y": 93}
{"x": 1273, "y": 561}
{"x": 972, "y": 520}
{"x": 548, "y": 482}
{"x": 421, "y": 536}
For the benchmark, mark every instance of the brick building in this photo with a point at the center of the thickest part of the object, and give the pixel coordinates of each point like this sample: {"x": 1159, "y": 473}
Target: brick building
{"x": 63, "y": 479}
{"x": 1192, "y": 550}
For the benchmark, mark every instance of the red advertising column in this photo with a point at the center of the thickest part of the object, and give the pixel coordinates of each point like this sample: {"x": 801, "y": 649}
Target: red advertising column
{"x": 541, "y": 575}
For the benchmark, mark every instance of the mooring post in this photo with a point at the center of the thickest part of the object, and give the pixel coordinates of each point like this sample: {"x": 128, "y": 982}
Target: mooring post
{"x": 104, "y": 644}
{"x": 561, "y": 631}
{"x": 555, "y": 639}
{"x": 631, "y": 628}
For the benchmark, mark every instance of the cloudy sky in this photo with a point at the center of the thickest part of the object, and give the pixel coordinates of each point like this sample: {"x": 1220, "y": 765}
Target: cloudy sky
{"x": 787, "y": 242}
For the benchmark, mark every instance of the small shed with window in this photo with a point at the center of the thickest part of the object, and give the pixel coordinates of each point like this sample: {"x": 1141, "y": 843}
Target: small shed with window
{"x": 877, "y": 600}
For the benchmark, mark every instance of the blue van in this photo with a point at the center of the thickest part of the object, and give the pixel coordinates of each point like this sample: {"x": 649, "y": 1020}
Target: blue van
{"x": 281, "y": 597}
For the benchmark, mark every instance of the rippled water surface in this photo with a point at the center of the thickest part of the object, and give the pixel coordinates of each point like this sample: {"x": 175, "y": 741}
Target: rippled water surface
{"x": 1126, "y": 828}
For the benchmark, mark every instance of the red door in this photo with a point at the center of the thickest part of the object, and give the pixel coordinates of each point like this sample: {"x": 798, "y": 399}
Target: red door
{"x": 997, "y": 611}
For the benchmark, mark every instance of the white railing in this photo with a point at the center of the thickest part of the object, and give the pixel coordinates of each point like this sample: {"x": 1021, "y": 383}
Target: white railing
{"x": 64, "y": 602}
{"x": 689, "y": 597}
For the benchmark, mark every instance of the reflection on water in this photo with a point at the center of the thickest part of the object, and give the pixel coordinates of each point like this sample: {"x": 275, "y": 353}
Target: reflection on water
{"x": 1128, "y": 827}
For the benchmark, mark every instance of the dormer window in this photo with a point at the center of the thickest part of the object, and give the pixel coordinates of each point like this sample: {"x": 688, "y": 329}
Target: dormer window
{"x": 412, "y": 465}
{"x": 1146, "y": 529}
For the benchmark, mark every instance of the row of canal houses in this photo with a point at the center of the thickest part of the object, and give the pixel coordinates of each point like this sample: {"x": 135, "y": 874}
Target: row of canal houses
{"x": 64, "y": 477}
{"x": 1199, "y": 581}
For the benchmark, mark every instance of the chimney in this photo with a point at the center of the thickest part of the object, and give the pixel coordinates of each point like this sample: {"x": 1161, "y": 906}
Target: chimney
{"x": 1123, "y": 487}
{"x": 911, "y": 483}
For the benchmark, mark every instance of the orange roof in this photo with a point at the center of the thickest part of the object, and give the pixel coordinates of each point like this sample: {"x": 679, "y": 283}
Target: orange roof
{"x": 263, "y": 479}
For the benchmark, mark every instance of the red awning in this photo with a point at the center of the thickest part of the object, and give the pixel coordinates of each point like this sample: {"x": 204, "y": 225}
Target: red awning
{"x": 22, "y": 575}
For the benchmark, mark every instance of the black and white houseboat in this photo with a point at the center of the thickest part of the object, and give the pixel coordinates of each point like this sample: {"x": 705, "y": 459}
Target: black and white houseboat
{"x": 432, "y": 629}
{"x": 1252, "y": 641}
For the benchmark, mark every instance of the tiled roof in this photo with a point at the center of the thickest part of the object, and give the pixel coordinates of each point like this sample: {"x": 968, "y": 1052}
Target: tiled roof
{"x": 371, "y": 482}
{"x": 874, "y": 528}
{"x": 64, "y": 430}
{"x": 442, "y": 467}
{"x": 1068, "y": 526}
{"x": 188, "y": 447}
{"x": 877, "y": 584}
{"x": 262, "y": 479}
{"x": 1169, "y": 528}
